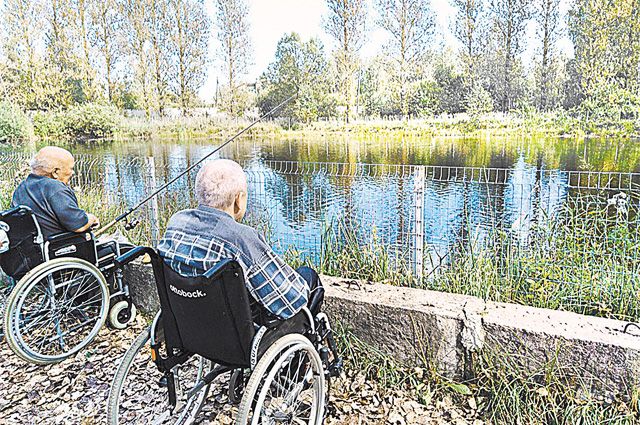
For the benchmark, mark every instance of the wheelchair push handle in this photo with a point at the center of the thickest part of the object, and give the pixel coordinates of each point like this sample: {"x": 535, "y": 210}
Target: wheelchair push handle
{"x": 135, "y": 253}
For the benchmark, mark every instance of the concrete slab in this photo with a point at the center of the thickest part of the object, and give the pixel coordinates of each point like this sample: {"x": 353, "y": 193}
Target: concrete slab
{"x": 419, "y": 328}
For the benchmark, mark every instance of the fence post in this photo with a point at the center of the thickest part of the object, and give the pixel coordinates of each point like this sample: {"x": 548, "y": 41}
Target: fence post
{"x": 153, "y": 203}
{"x": 418, "y": 227}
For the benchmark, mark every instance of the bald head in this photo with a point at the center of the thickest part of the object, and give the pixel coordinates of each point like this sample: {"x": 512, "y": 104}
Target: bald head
{"x": 54, "y": 162}
{"x": 220, "y": 183}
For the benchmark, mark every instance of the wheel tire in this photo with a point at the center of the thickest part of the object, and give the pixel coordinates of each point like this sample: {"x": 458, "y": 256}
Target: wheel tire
{"x": 22, "y": 290}
{"x": 266, "y": 370}
{"x": 116, "y": 312}
{"x": 140, "y": 345}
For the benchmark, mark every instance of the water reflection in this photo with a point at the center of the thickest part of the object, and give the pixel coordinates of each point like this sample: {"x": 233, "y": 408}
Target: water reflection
{"x": 517, "y": 184}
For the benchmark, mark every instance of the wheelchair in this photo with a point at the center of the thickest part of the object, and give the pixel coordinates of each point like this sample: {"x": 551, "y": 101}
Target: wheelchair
{"x": 278, "y": 371}
{"x": 60, "y": 290}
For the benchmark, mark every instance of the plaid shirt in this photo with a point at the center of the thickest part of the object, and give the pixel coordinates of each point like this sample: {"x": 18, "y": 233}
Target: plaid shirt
{"x": 197, "y": 239}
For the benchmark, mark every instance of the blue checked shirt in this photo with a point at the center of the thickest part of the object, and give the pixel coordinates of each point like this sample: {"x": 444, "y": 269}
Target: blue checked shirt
{"x": 197, "y": 239}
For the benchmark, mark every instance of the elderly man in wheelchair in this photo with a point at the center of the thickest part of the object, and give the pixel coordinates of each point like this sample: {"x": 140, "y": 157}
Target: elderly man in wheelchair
{"x": 61, "y": 283}
{"x": 229, "y": 307}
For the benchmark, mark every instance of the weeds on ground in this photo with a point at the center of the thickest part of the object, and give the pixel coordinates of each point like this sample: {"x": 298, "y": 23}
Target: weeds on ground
{"x": 500, "y": 387}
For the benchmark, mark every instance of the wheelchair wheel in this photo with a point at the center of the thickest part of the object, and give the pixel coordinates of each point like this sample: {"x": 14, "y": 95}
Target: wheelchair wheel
{"x": 287, "y": 385}
{"x": 139, "y": 395}
{"x": 56, "y": 310}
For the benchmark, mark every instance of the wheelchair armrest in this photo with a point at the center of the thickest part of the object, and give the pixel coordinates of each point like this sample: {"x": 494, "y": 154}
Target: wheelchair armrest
{"x": 213, "y": 271}
{"x": 136, "y": 252}
{"x": 68, "y": 235}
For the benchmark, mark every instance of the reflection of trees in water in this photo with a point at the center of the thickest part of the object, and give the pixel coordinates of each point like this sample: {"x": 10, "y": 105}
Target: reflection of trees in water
{"x": 376, "y": 202}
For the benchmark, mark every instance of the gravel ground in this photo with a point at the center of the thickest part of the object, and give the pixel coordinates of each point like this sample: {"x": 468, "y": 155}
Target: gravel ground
{"x": 75, "y": 392}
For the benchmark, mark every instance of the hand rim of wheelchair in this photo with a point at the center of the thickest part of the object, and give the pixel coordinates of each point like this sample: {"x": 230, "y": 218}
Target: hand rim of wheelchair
{"x": 21, "y": 291}
{"x": 193, "y": 404}
{"x": 268, "y": 365}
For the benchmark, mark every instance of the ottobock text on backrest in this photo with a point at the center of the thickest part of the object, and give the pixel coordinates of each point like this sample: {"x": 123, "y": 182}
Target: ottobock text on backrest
{"x": 208, "y": 316}
{"x": 24, "y": 252}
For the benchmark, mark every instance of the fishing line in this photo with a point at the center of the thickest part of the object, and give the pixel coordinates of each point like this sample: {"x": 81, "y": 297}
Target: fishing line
{"x": 163, "y": 187}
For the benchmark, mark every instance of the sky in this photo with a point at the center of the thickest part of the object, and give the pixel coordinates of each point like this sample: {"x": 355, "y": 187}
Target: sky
{"x": 270, "y": 19}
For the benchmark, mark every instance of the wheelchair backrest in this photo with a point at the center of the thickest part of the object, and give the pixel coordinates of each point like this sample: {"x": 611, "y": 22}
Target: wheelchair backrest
{"x": 22, "y": 248}
{"x": 207, "y": 315}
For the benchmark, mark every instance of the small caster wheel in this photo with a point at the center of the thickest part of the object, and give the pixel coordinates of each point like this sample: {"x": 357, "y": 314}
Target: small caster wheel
{"x": 118, "y": 315}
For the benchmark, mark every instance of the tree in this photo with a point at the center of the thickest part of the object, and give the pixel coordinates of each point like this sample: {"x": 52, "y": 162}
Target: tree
{"x": 410, "y": 24}
{"x": 190, "y": 42}
{"x": 160, "y": 26}
{"x": 233, "y": 34}
{"x": 471, "y": 30}
{"x": 346, "y": 25}
{"x": 137, "y": 35}
{"x": 509, "y": 22}
{"x": 62, "y": 53}
{"x": 23, "y": 29}
{"x": 299, "y": 68}
{"x": 548, "y": 20}
{"x": 106, "y": 36}
{"x": 30, "y": 80}
{"x": 606, "y": 43}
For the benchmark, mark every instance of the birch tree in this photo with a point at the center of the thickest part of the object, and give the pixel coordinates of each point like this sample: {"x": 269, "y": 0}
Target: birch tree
{"x": 410, "y": 23}
{"x": 233, "y": 34}
{"x": 346, "y": 25}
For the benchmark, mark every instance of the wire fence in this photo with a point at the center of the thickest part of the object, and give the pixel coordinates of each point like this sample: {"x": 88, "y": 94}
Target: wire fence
{"x": 559, "y": 239}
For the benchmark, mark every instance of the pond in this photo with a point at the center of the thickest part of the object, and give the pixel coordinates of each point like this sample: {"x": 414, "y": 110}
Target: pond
{"x": 300, "y": 187}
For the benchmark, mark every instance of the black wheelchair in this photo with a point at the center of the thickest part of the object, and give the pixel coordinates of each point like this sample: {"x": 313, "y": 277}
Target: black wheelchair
{"x": 60, "y": 290}
{"x": 278, "y": 371}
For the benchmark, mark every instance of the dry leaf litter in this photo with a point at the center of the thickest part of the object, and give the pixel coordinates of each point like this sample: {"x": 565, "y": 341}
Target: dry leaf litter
{"x": 76, "y": 390}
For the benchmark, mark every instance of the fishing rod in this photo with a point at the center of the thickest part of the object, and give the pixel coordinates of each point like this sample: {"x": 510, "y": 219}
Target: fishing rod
{"x": 163, "y": 187}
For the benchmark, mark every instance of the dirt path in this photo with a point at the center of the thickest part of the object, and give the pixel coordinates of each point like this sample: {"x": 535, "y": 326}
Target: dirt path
{"x": 75, "y": 392}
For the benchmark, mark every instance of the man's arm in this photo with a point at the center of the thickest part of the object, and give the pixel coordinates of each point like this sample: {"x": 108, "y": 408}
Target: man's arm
{"x": 276, "y": 286}
{"x": 65, "y": 206}
{"x": 92, "y": 221}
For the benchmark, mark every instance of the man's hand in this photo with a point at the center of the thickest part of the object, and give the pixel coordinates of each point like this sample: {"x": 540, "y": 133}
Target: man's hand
{"x": 93, "y": 221}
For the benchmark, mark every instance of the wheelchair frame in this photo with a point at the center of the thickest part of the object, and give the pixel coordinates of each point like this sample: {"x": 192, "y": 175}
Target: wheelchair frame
{"x": 317, "y": 333}
{"x": 72, "y": 250}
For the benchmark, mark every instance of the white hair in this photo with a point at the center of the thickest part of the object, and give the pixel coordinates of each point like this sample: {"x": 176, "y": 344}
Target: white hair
{"x": 49, "y": 158}
{"x": 218, "y": 183}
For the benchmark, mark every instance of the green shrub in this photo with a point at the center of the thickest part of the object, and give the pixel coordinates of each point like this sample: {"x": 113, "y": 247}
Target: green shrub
{"x": 14, "y": 124}
{"x": 92, "y": 120}
{"x": 49, "y": 124}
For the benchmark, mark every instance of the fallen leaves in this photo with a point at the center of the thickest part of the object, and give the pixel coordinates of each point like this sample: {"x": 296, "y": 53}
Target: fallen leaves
{"x": 76, "y": 390}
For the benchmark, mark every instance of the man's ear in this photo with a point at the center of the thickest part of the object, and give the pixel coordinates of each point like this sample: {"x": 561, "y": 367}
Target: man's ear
{"x": 237, "y": 202}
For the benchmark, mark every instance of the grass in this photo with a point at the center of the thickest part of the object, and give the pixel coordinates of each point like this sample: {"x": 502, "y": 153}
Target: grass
{"x": 504, "y": 391}
{"x": 586, "y": 259}
{"x": 496, "y": 124}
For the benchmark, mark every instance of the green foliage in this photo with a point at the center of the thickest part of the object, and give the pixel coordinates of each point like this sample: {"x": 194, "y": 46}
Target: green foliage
{"x": 478, "y": 102}
{"x": 299, "y": 68}
{"x": 92, "y": 120}
{"x": 88, "y": 121}
{"x": 14, "y": 124}
{"x": 49, "y": 124}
